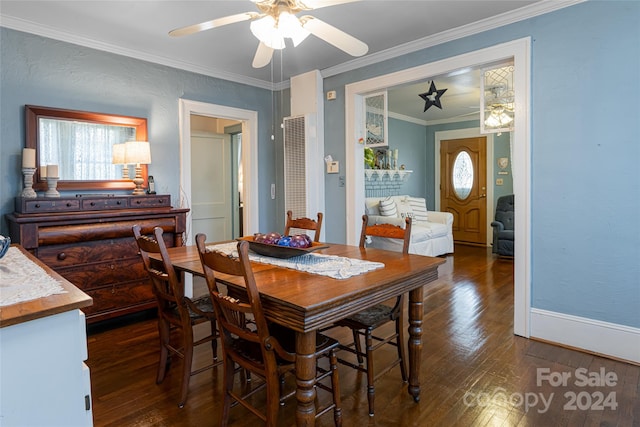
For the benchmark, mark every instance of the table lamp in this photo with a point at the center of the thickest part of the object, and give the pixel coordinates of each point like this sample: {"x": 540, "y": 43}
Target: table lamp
{"x": 117, "y": 158}
{"x": 137, "y": 153}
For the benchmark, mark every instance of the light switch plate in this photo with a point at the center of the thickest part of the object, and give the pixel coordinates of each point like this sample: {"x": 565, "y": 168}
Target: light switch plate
{"x": 333, "y": 167}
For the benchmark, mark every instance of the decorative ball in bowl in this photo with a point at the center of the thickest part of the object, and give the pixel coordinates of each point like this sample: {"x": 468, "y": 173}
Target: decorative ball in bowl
{"x": 5, "y": 242}
{"x": 277, "y": 246}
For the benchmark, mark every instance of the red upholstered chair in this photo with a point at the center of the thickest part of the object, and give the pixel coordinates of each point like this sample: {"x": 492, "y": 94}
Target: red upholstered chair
{"x": 365, "y": 323}
{"x": 175, "y": 311}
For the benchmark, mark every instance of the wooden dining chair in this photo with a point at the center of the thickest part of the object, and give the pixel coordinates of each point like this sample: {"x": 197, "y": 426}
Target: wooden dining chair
{"x": 264, "y": 349}
{"x": 366, "y": 322}
{"x": 303, "y": 224}
{"x": 176, "y": 312}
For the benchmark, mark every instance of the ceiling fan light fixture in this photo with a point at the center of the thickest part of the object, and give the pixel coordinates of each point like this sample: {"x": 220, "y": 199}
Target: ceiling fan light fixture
{"x": 272, "y": 31}
{"x": 290, "y": 27}
{"x": 265, "y": 29}
{"x": 498, "y": 119}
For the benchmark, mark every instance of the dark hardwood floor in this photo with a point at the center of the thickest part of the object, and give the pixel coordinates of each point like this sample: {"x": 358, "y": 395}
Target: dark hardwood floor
{"x": 474, "y": 371}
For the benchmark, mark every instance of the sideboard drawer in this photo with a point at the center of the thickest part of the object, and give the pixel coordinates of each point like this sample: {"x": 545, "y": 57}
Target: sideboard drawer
{"x": 149, "y": 201}
{"x": 103, "y": 203}
{"x": 73, "y": 254}
{"x": 120, "y": 298}
{"x": 56, "y": 235}
{"x": 106, "y": 273}
{"x": 49, "y": 205}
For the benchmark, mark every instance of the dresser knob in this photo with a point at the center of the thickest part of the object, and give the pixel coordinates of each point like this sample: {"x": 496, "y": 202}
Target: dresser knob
{"x": 92, "y": 204}
{"x": 37, "y": 205}
{"x": 138, "y": 201}
{"x": 118, "y": 202}
{"x": 62, "y": 256}
{"x": 68, "y": 204}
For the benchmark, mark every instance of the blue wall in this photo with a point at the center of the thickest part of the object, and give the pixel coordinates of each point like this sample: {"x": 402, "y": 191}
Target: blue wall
{"x": 41, "y": 71}
{"x": 586, "y": 151}
{"x": 501, "y": 148}
{"x": 585, "y": 200}
{"x": 410, "y": 140}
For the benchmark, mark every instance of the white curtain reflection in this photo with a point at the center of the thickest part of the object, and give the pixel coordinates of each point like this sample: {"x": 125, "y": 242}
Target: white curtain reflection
{"x": 81, "y": 150}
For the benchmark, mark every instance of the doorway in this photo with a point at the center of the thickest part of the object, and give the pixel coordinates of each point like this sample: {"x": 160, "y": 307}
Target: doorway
{"x": 518, "y": 51}
{"x": 249, "y": 164}
{"x": 463, "y": 177}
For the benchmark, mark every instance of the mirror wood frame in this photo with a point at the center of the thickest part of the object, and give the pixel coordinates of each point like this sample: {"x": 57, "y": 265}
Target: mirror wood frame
{"x": 34, "y": 113}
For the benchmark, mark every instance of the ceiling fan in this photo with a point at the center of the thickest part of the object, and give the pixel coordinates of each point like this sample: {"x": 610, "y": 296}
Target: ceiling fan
{"x": 277, "y": 20}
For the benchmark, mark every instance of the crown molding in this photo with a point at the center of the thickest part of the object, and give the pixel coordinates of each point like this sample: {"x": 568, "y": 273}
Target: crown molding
{"x": 405, "y": 118}
{"x": 45, "y": 31}
{"x": 535, "y": 9}
{"x": 413, "y": 120}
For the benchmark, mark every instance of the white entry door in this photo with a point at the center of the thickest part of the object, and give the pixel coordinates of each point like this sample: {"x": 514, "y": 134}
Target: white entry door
{"x": 211, "y": 185}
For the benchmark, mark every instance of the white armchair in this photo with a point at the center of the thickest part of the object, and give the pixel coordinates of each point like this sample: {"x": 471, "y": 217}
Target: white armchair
{"x": 431, "y": 231}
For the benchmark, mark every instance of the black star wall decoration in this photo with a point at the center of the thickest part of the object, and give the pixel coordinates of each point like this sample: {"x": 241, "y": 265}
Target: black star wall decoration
{"x": 432, "y": 97}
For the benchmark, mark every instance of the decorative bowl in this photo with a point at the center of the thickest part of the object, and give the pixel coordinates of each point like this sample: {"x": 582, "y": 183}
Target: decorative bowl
{"x": 5, "y": 242}
{"x": 276, "y": 251}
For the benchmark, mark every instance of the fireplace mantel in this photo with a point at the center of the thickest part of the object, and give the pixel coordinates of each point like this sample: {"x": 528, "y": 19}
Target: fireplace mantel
{"x": 386, "y": 174}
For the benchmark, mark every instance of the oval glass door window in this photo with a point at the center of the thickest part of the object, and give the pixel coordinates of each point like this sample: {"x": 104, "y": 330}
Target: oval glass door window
{"x": 462, "y": 175}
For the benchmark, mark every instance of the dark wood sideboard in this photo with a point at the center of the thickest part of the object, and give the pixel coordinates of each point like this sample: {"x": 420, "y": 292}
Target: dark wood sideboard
{"x": 89, "y": 241}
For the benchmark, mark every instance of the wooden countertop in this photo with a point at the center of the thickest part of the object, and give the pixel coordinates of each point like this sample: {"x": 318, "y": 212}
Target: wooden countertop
{"x": 26, "y": 311}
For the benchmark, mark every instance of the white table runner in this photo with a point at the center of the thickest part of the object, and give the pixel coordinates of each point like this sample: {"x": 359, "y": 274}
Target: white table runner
{"x": 23, "y": 280}
{"x": 333, "y": 266}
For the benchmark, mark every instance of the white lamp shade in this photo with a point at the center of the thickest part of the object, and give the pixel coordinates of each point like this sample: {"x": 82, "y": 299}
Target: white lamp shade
{"x": 272, "y": 33}
{"x": 266, "y": 31}
{"x": 117, "y": 154}
{"x": 137, "y": 152}
{"x": 291, "y": 27}
{"x": 498, "y": 119}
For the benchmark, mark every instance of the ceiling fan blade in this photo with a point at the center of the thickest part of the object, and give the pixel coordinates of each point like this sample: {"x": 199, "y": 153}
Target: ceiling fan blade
{"x": 317, "y": 4}
{"x": 263, "y": 56}
{"x": 334, "y": 36}
{"x": 468, "y": 114}
{"x": 214, "y": 23}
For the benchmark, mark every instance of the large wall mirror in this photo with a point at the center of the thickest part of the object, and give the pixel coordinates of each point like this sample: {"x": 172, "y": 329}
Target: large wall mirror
{"x": 81, "y": 144}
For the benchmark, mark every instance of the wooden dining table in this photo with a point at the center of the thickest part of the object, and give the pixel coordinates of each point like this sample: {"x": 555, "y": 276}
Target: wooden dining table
{"x": 308, "y": 302}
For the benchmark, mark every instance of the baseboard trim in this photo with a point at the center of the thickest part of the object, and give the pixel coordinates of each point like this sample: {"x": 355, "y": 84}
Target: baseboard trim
{"x": 595, "y": 336}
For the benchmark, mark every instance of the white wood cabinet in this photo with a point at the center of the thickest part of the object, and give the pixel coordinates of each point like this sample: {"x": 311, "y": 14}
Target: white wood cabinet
{"x": 43, "y": 345}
